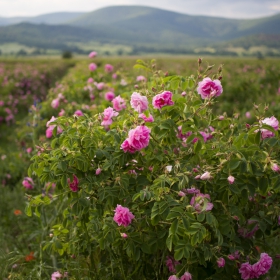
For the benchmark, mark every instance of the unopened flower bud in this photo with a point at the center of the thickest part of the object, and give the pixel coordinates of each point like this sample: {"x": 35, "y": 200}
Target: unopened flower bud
{"x": 135, "y": 86}
{"x": 182, "y": 194}
{"x": 199, "y": 61}
{"x": 205, "y": 176}
{"x": 231, "y": 179}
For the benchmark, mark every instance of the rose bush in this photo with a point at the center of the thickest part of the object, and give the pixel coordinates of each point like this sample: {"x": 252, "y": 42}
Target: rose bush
{"x": 220, "y": 197}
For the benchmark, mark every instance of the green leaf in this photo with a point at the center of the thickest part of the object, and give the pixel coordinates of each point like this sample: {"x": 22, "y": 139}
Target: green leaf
{"x": 64, "y": 181}
{"x": 174, "y": 227}
{"x": 197, "y": 146}
{"x": 28, "y": 210}
{"x": 178, "y": 255}
{"x": 233, "y": 164}
{"x": 169, "y": 243}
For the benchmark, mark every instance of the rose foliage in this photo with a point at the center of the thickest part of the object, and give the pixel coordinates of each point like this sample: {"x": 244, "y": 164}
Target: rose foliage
{"x": 162, "y": 193}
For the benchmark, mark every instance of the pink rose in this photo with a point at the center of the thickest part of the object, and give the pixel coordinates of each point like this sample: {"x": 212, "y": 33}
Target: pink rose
{"x": 273, "y": 122}
{"x": 208, "y": 88}
{"x": 98, "y": 171}
{"x": 173, "y": 277}
{"x": 108, "y": 114}
{"x": 61, "y": 113}
{"x": 141, "y": 79}
{"x": 162, "y": 99}
{"x": 90, "y": 80}
{"x": 55, "y": 103}
{"x": 119, "y": 103}
{"x": 92, "y": 55}
{"x": 108, "y": 68}
{"x": 146, "y": 119}
{"x": 200, "y": 202}
{"x": 275, "y": 168}
{"x": 124, "y": 235}
{"x": 92, "y": 67}
{"x": 231, "y": 179}
{"x": 186, "y": 276}
{"x": 123, "y": 217}
{"x": 78, "y": 113}
{"x": 171, "y": 263}
{"x": 221, "y": 262}
{"x": 109, "y": 95}
{"x": 29, "y": 150}
{"x": 99, "y": 86}
{"x": 74, "y": 185}
{"x": 138, "y": 102}
{"x": 49, "y": 132}
{"x": 28, "y": 183}
{"x": 182, "y": 194}
{"x": 137, "y": 140}
{"x": 205, "y": 176}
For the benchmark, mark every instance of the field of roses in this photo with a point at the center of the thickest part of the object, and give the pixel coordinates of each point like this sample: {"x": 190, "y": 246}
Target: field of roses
{"x": 140, "y": 169}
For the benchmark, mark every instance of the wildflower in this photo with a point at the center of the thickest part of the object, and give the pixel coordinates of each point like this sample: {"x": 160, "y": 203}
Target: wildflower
{"x": 146, "y": 119}
{"x": 17, "y": 212}
{"x": 92, "y": 54}
{"x": 138, "y": 102}
{"x": 221, "y": 262}
{"x": 208, "y": 88}
{"x": 162, "y": 99}
{"x": 123, "y": 217}
{"x": 74, "y": 185}
{"x": 28, "y": 183}
{"x": 200, "y": 202}
{"x": 109, "y": 95}
{"x": 186, "y": 276}
{"x": 119, "y": 103}
{"x": 108, "y": 68}
{"x": 137, "y": 140}
{"x": 98, "y": 171}
{"x": 205, "y": 176}
{"x": 78, "y": 113}
{"x": 92, "y": 67}
{"x": 231, "y": 179}
{"x": 108, "y": 114}
{"x": 273, "y": 122}
{"x": 30, "y": 257}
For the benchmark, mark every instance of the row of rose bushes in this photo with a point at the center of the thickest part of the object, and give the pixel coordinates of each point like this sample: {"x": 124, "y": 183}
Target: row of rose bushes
{"x": 158, "y": 187}
{"x": 89, "y": 90}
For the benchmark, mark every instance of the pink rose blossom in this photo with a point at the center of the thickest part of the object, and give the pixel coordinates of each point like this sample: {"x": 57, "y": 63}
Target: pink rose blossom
{"x": 201, "y": 202}
{"x": 115, "y": 76}
{"x": 2, "y": 103}
{"x": 123, "y": 217}
{"x": 61, "y": 113}
{"x": 92, "y": 55}
{"x": 141, "y": 79}
{"x": 119, "y": 103}
{"x": 221, "y": 262}
{"x": 56, "y": 275}
{"x": 78, "y": 113}
{"x": 248, "y": 115}
{"x": 171, "y": 263}
{"x": 186, "y": 276}
{"x": 193, "y": 190}
{"x": 146, "y": 119}
{"x": 29, "y": 150}
{"x": 92, "y": 67}
{"x": 162, "y": 99}
{"x": 99, "y": 86}
{"x": 109, "y": 95}
{"x": 173, "y": 277}
{"x": 221, "y": 118}
{"x": 231, "y": 179}
{"x": 55, "y": 103}
{"x": 183, "y": 136}
{"x": 28, "y": 183}
{"x": 273, "y": 122}
{"x": 205, "y": 176}
{"x": 108, "y": 68}
{"x": 234, "y": 256}
{"x": 74, "y": 185}
{"x": 208, "y": 88}
{"x": 50, "y": 128}
{"x": 98, "y": 171}
{"x": 124, "y": 235}
{"x": 246, "y": 271}
{"x": 275, "y": 168}
{"x": 183, "y": 93}
{"x": 49, "y": 131}
{"x": 90, "y": 80}
{"x": 182, "y": 194}
{"x": 137, "y": 140}
{"x": 108, "y": 114}
{"x": 138, "y": 102}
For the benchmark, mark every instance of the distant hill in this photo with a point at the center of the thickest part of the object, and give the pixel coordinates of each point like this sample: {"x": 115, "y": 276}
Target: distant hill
{"x": 144, "y": 29}
{"x": 51, "y": 18}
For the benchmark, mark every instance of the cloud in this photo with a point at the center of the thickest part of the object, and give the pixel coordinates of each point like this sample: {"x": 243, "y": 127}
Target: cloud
{"x": 222, "y": 8}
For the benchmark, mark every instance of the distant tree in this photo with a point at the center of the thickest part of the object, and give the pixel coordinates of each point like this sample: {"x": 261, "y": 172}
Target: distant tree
{"x": 21, "y": 52}
{"x": 0, "y": 52}
{"x": 67, "y": 54}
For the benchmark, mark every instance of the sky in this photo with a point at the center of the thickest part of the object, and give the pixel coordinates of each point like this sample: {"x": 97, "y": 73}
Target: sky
{"x": 221, "y": 8}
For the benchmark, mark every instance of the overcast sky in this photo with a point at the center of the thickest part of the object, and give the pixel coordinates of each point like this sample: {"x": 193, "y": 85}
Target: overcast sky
{"x": 222, "y": 8}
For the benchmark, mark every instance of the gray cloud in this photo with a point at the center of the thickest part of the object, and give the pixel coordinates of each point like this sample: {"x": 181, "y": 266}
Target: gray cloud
{"x": 220, "y": 8}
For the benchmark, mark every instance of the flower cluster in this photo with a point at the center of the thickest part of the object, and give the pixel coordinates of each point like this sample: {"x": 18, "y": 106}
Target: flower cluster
{"x": 261, "y": 267}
